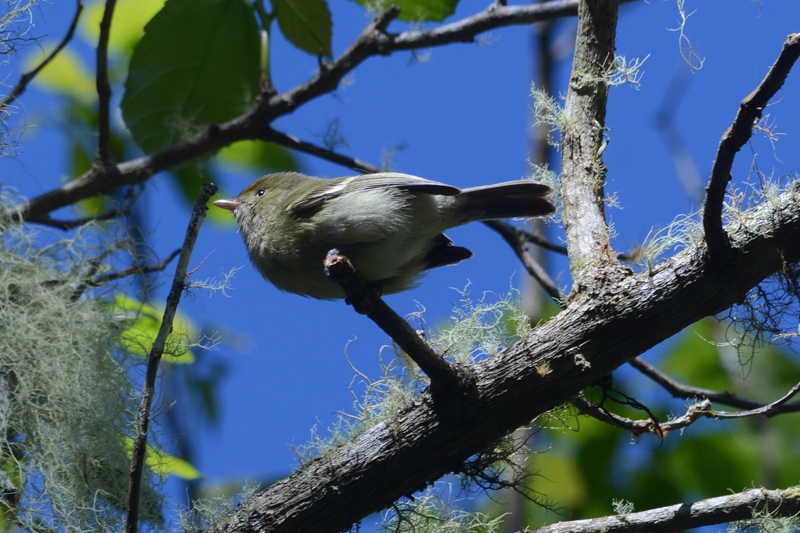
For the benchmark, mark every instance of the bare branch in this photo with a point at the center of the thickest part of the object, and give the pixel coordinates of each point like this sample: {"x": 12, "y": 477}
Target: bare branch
{"x": 74, "y": 223}
{"x": 637, "y": 427}
{"x": 693, "y": 413}
{"x": 735, "y": 137}
{"x": 26, "y": 78}
{"x": 448, "y": 381}
{"x": 148, "y": 390}
{"x": 567, "y": 354}
{"x": 254, "y": 123}
{"x": 771, "y": 409}
{"x": 102, "y": 279}
{"x": 682, "y": 157}
{"x": 290, "y": 141}
{"x": 679, "y": 390}
{"x": 517, "y": 238}
{"x": 103, "y": 156}
{"x": 742, "y": 506}
{"x": 582, "y": 169}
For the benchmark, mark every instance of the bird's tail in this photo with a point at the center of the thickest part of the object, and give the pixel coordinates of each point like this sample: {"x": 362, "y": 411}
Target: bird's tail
{"x": 513, "y": 199}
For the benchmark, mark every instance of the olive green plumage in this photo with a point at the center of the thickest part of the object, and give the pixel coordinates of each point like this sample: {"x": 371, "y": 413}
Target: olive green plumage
{"x": 391, "y": 225}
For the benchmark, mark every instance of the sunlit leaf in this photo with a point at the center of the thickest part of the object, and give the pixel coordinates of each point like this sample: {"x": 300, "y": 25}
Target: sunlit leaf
{"x": 415, "y": 10}
{"x": 306, "y": 24}
{"x": 127, "y": 24}
{"x": 145, "y": 321}
{"x": 696, "y": 359}
{"x": 197, "y": 64}
{"x": 260, "y": 155}
{"x": 66, "y": 74}
{"x": 166, "y": 464}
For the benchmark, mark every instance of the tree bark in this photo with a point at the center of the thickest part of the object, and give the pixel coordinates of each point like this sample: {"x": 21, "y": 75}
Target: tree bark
{"x": 589, "y": 339}
{"x": 582, "y": 170}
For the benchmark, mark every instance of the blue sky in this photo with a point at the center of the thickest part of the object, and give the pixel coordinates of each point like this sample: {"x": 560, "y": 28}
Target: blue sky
{"x": 464, "y": 116}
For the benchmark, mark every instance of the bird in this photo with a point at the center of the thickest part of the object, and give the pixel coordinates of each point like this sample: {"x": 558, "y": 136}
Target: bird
{"x": 390, "y": 225}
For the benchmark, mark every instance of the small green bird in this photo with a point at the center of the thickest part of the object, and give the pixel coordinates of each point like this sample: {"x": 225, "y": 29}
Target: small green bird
{"x": 390, "y": 225}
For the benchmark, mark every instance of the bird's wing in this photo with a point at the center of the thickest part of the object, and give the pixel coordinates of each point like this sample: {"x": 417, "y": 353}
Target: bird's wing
{"x": 382, "y": 180}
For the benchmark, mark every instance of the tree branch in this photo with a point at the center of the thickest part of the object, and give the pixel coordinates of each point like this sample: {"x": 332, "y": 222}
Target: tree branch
{"x": 449, "y": 382}
{"x": 582, "y": 170}
{"x": 679, "y": 390}
{"x": 735, "y": 137}
{"x": 586, "y": 341}
{"x": 290, "y": 141}
{"x": 517, "y": 238}
{"x": 103, "y": 155}
{"x": 771, "y": 409}
{"x": 96, "y": 281}
{"x": 637, "y": 427}
{"x": 148, "y": 390}
{"x": 26, "y": 78}
{"x": 254, "y": 123}
{"x": 742, "y": 506}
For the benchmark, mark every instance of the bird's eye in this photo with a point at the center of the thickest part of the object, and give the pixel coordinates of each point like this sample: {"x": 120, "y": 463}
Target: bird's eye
{"x": 260, "y": 192}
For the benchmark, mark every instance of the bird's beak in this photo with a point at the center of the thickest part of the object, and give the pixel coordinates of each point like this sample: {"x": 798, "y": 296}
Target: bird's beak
{"x": 230, "y": 205}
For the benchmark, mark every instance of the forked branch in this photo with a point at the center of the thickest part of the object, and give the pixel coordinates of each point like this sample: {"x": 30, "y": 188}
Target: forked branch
{"x": 735, "y": 137}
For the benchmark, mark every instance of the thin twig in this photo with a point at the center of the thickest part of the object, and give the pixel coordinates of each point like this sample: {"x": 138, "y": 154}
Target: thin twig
{"x": 76, "y": 222}
{"x": 445, "y": 377}
{"x": 679, "y": 390}
{"x": 102, "y": 279}
{"x": 538, "y": 240}
{"x": 516, "y": 238}
{"x": 637, "y": 427}
{"x": 290, "y": 141}
{"x": 148, "y": 390}
{"x": 696, "y": 411}
{"x": 132, "y": 271}
{"x": 775, "y": 408}
{"x": 690, "y": 515}
{"x": 735, "y": 137}
{"x": 682, "y": 157}
{"x": 26, "y": 78}
{"x": 103, "y": 156}
{"x": 251, "y": 125}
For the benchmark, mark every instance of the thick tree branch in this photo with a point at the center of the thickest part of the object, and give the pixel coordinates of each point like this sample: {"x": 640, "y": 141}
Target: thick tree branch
{"x": 26, "y": 78}
{"x": 254, "y": 124}
{"x": 148, "y": 389}
{"x": 582, "y": 169}
{"x": 589, "y": 339}
{"x": 735, "y": 137}
{"x": 742, "y": 506}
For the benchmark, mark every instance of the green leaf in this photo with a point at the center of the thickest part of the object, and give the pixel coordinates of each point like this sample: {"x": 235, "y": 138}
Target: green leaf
{"x": 415, "y": 10}
{"x": 66, "y": 74}
{"x": 127, "y": 25}
{"x": 165, "y": 464}
{"x": 696, "y": 360}
{"x": 197, "y": 64}
{"x": 260, "y": 155}
{"x": 306, "y": 24}
{"x": 144, "y": 321}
